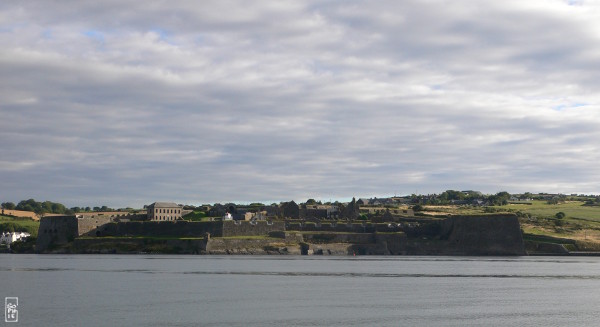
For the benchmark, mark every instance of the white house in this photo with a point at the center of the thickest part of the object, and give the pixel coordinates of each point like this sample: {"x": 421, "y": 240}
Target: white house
{"x": 9, "y": 237}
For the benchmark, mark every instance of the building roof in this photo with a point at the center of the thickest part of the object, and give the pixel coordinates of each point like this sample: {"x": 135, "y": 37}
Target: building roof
{"x": 165, "y": 205}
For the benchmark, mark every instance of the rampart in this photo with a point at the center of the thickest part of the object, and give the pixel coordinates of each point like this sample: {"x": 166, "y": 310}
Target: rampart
{"x": 341, "y": 226}
{"x": 56, "y": 230}
{"x": 457, "y": 235}
{"x": 89, "y": 225}
{"x": 483, "y": 235}
{"x": 161, "y": 229}
{"x": 184, "y": 228}
{"x": 251, "y": 228}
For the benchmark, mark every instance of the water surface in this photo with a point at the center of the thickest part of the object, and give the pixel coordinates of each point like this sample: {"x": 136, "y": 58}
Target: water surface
{"x": 159, "y": 290}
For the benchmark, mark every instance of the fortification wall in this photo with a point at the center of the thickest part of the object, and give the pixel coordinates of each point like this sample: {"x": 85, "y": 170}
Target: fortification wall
{"x": 56, "y": 230}
{"x": 88, "y": 225}
{"x": 162, "y": 229}
{"x": 483, "y": 235}
{"x": 136, "y": 245}
{"x": 341, "y": 227}
{"x": 248, "y": 228}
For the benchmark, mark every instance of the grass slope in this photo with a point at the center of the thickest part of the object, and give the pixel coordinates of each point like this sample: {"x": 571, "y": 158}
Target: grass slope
{"x": 19, "y": 224}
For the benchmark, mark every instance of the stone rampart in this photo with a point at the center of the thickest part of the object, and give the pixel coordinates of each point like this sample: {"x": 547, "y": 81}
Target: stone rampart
{"x": 89, "y": 225}
{"x": 483, "y": 235}
{"x": 251, "y": 228}
{"x": 56, "y": 230}
{"x": 162, "y": 229}
{"x": 341, "y": 227}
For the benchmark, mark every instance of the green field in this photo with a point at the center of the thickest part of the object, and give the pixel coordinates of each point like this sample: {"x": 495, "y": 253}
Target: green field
{"x": 580, "y": 222}
{"x": 572, "y": 210}
{"x": 16, "y": 224}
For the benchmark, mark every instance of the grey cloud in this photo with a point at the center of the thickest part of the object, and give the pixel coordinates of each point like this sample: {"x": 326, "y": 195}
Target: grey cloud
{"x": 120, "y": 104}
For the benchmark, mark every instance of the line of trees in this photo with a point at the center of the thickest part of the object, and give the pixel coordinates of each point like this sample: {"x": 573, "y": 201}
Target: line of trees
{"x": 41, "y": 208}
{"x": 452, "y": 196}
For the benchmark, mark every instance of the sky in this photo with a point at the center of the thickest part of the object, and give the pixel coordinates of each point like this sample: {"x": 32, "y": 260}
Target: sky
{"x": 124, "y": 103}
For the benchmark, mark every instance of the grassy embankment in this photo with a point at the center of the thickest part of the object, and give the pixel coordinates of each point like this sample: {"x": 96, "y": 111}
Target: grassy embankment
{"x": 19, "y": 224}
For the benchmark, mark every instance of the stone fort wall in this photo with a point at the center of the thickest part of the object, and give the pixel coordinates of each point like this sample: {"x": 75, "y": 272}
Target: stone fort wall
{"x": 161, "y": 229}
{"x": 56, "y": 230}
{"x": 248, "y": 228}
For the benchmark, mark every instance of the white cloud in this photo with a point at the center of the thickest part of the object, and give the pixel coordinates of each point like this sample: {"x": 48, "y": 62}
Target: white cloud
{"x": 218, "y": 101}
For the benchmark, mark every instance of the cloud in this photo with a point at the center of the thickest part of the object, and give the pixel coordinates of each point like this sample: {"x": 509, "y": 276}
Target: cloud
{"x": 124, "y": 104}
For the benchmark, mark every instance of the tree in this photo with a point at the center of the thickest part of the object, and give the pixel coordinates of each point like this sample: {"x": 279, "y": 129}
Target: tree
{"x": 417, "y": 207}
{"x": 8, "y": 205}
{"x": 311, "y": 201}
{"x": 560, "y": 215}
{"x": 501, "y": 198}
{"x": 39, "y": 211}
{"x": 526, "y": 195}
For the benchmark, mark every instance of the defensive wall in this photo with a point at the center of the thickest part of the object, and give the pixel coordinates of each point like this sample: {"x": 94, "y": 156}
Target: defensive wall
{"x": 56, "y": 230}
{"x": 160, "y": 229}
{"x": 250, "y": 228}
{"x": 190, "y": 229}
{"x": 483, "y": 235}
{"x": 59, "y": 230}
{"x": 456, "y": 235}
{"x": 89, "y": 225}
{"x": 342, "y": 226}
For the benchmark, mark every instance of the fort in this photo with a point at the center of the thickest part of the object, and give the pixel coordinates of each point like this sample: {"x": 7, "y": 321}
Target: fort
{"x": 497, "y": 234}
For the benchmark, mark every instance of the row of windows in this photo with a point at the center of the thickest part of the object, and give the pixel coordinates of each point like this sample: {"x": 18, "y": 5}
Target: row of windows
{"x": 164, "y": 218}
{"x": 167, "y": 210}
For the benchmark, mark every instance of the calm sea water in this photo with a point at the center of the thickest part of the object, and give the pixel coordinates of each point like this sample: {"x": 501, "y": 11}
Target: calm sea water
{"x": 157, "y": 290}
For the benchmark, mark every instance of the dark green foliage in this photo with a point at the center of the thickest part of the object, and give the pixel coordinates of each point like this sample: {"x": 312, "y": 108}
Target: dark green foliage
{"x": 195, "y": 216}
{"x": 16, "y": 227}
{"x": 42, "y": 207}
{"x": 560, "y": 215}
{"x": 24, "y": 246}
{"x": 500, "y": 199}
{"x": 8, "y": 205}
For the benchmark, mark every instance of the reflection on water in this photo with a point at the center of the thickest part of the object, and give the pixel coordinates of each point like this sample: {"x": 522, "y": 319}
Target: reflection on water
{"x": 160, "y": 290}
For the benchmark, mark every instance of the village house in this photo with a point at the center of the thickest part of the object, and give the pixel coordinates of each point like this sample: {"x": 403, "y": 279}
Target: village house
{"x": 164, "y": 211}
{"x": 8, "y": 238}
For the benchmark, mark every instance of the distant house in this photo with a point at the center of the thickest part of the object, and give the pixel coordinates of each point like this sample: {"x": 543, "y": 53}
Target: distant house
{"x": 164, "y": 211}
{"x": 8, "y": 238}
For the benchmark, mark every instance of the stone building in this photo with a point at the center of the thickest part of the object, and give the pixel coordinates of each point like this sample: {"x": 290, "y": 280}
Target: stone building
{"x": 164, "y": 211}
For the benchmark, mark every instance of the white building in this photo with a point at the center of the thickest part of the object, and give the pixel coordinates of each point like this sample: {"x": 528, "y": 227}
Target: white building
{"x": 8, "y": 238}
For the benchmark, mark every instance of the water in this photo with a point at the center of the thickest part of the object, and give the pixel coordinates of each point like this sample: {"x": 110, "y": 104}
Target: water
{"x": 160, "y": 290}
